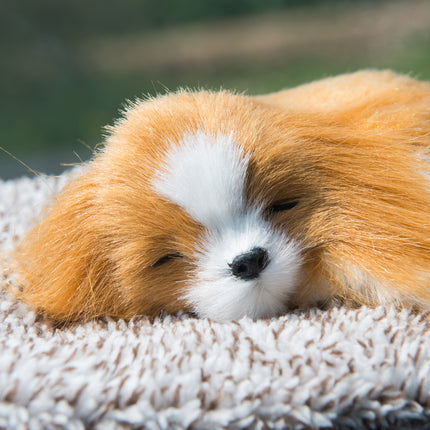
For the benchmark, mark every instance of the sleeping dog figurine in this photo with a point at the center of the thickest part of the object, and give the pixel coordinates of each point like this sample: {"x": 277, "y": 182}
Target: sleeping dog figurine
{"x": 228, "y": 205}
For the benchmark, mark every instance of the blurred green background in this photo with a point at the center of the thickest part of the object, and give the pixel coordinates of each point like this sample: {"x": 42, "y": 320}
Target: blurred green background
{"x": 68, "y": 66}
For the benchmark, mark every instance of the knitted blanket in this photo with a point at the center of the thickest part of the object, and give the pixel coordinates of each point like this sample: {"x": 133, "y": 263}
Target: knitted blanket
{"x": 365, "y": 368}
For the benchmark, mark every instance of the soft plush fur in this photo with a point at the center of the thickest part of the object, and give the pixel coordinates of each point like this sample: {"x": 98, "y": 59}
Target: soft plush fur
{"x": 325, "y": 188}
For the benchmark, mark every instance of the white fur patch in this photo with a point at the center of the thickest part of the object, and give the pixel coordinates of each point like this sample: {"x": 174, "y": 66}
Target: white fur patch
{"x": 206, "y": 176}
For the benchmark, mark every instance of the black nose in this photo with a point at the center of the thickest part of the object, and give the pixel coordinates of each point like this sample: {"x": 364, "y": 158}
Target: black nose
{"x": 250, "y": 264}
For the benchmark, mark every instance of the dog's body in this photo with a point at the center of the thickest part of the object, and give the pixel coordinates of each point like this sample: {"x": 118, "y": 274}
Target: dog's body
{"x": 227, "y": 205}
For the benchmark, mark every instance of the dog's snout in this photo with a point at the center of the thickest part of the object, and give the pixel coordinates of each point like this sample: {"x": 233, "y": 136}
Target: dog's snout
{"x": 250, "y": 264}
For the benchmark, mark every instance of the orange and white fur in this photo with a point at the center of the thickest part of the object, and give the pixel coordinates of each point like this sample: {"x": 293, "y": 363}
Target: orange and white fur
{"x": 227, "y": 205}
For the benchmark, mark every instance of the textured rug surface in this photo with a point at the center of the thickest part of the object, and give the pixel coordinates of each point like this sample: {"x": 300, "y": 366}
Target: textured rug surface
{"x": 366, "y": 368}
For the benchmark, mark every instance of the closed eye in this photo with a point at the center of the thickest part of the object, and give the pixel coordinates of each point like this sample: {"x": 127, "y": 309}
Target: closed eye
{"x": 281, "y": 207}
{"x": 166, "y": 258}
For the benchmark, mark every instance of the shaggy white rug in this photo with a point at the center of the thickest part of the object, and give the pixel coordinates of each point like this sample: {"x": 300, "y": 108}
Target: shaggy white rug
{"x": 367, "y": 368}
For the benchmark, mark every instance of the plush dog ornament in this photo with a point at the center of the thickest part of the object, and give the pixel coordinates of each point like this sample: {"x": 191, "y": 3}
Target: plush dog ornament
{"x": 227, "y": 205}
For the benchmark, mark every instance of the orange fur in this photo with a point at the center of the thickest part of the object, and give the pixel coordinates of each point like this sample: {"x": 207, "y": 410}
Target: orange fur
{"x": 353, "y": 150}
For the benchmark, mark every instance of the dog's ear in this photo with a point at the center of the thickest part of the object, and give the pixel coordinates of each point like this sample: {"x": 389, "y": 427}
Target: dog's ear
{"x": 62, "y": 270}
{"x": 368, "y": 135}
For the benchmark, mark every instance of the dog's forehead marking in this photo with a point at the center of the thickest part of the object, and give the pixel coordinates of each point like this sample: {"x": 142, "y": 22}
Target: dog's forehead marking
{"x": 205, "y": 175}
